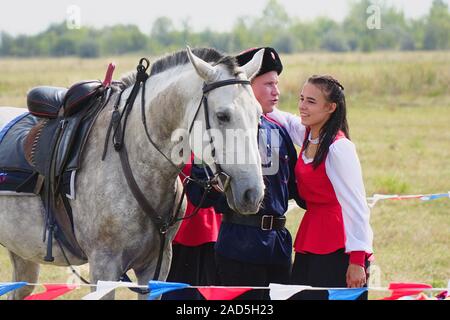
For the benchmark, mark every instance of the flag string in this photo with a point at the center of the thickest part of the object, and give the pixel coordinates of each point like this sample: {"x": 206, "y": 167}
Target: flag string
{"x": 133, "y": 285}
{"x": 372, "y": 201}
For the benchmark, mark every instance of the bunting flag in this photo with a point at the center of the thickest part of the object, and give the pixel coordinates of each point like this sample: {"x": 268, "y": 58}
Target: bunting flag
{"x": 158, "y": 288}
{"x": 283, "y": 292}
{"x": 52, "y": 291}
{"x": 377, "y": 197}
{"x": 346, "y": 294}
{"x": 222, "y": 293}
{"x": 400, "y": 289}
{"x": 105, "y": 287}
{"x": 443, "y": 295}
{"x": 372, "y": 201}
{"x": 6, "y": 287}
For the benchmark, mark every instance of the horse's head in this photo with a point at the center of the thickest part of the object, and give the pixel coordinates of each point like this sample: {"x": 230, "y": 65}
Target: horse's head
{"x": 229, "y": 122}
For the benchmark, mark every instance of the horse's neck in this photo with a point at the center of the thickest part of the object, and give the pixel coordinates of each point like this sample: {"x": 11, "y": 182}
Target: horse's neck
{"x": 168, "y": 97}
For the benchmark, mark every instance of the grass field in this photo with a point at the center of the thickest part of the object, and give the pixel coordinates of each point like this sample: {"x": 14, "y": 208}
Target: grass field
{"x": 399, "y": 117}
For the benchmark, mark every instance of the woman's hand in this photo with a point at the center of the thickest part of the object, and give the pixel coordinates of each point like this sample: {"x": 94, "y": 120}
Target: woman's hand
{"x": 356, "y": 276}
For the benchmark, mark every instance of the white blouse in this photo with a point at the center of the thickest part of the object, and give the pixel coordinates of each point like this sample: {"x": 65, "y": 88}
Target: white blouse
{"x": 344, "y": 171}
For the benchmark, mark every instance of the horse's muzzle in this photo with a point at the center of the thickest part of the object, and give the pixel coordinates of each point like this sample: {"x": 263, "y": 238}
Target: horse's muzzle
{"x": 249, "y": 201}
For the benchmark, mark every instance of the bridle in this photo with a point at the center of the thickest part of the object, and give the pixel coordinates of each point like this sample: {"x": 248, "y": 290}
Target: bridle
{"x": 219, "y": 180}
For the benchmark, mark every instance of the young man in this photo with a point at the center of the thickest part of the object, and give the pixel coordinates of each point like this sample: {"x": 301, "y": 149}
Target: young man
{"x": 256, "y": 250}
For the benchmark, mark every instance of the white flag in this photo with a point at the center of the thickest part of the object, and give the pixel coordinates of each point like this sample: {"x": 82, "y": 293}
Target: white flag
{"x": 105, "y": 287}
{"x": 284, "y": 291}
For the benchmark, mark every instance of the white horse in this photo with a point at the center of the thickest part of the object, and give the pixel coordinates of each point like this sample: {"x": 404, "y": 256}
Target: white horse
{"x": 112, "y": 230}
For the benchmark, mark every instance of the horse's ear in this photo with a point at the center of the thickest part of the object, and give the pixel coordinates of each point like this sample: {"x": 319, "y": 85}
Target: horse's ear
{"x": 204, "y": 70}
{"x": 252, "y": 67}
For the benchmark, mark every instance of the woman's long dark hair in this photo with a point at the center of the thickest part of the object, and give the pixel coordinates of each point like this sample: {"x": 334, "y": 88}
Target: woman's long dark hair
{"x": 334, "y": 93}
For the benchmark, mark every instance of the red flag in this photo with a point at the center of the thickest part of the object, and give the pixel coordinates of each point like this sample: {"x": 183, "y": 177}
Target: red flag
{"x": 405, "y": 289}
{"x": 219, "y": 293}
{"x": 52, "y": 291}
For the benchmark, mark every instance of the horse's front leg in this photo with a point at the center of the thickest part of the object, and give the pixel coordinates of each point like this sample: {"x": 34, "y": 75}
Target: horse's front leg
{"x": 106, "y": 267}
{"x": 146, "y": 274}
{"x": 23, "y": 270}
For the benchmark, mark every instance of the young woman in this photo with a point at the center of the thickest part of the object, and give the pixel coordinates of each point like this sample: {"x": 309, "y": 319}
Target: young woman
{"x": 334, "y": 240}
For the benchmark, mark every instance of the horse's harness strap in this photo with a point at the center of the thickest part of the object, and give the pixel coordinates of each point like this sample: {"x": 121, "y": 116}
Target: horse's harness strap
{"x": 162, "y": 224}
{"x": 119, "y": 145}
{"x": 214, "y": 85}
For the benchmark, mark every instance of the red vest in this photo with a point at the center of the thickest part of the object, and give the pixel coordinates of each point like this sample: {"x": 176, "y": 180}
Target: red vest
{"x": 201, "y": 228}
{"x": 322, "y": 228}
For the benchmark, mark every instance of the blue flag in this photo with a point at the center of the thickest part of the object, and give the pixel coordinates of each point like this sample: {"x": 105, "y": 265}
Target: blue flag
{"x": 437, "y": 196}
{"x": 157, "y": 288}
{"x": 346, "y": 294}
{"x": 10, "y": 286}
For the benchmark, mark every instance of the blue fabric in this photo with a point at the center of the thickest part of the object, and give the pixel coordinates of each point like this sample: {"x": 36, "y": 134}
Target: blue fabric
{"x": 8, "y": 126}
{"x": 13, "y": 137}
{"x": 158, "y": 288}
{"x": 437, "y": 196}
{"x": 7, "y": 287}
{"x": 346, "y": 294}
{"x": 248, "y": 243}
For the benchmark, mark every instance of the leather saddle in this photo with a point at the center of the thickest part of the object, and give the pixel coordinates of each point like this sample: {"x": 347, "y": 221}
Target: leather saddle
{"x": 62, "y": 112}
{"x": 54, "y": 146}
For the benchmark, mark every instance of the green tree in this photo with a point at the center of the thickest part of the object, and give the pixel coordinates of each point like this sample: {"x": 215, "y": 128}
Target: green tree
{"x": 334, "y": 40}
{"x": 273, "y": 27}
{"x": 284, "y": 43}
{"x": 437, "y": 27}
{"x": 122, "y": 39}
{"x": 394, "y": 32}
{"x": 64, "y": 46}
{"x": 275, "y": 16}
{"x": 305, "y": 36}
{"x": 273, "y": 22}
{"x": 359, "y": 36}
{"x": 6, "y": 44}
{"x": 162, "y": 31}
{"x": 89, "y": 49}
{"x": 241, "y": 34}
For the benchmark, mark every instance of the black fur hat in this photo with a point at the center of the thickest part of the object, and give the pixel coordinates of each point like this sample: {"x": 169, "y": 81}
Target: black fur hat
{"x": 271, "y": 61}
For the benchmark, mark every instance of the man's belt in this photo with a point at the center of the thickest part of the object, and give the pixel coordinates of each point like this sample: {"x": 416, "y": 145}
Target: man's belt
{"x": 265, "y": 222}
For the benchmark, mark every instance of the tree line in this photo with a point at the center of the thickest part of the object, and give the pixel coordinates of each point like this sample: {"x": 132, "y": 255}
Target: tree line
{"x": 273, "y": 27}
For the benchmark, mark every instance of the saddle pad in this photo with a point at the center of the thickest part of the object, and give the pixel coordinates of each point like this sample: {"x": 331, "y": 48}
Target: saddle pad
{"x": 12, "y": 138}
{"x": 5, "y": 129}
{"x": 10, "y": 180}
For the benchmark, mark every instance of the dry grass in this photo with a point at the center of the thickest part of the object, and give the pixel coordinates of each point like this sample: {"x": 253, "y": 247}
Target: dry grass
{"x": 399, "y": 115}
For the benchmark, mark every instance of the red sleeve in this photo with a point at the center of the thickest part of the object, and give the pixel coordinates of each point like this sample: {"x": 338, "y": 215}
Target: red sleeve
{"x": 358, "y": 257}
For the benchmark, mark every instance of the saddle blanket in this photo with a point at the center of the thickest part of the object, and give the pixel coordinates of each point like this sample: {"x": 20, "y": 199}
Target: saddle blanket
{"x": 16, "y": 175}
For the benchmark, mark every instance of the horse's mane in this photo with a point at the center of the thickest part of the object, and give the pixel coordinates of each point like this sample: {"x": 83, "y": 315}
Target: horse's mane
{"x": 180, "y": 58}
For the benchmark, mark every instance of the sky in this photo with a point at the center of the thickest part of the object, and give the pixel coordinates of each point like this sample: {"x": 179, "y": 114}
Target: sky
{"x": 31, "y": 17}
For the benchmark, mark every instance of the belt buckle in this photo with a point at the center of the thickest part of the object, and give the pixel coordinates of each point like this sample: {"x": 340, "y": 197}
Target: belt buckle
{"x": 262, "y": 222}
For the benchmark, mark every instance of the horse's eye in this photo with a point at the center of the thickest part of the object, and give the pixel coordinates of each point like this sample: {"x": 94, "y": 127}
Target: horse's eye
{"x": 223, "y": 117}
